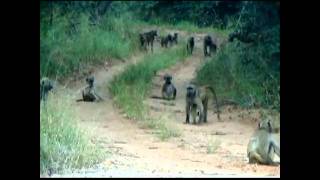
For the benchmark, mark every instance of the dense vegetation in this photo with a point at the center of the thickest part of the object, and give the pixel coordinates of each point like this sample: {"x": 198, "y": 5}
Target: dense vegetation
{"x": 76, "y": 34}
{"x": 249, "y": 73}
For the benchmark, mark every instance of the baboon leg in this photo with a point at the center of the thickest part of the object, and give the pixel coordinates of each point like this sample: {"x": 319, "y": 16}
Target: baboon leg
{"x": 187, "y": 113}
{"x": 201, "y": 118}
{"x": 254, "y": 157}
{"x": 205, "y": 106}
{"x": 152, "y": 46}
{"x": 194, "y": 114}
{"x": 275, "y": 147}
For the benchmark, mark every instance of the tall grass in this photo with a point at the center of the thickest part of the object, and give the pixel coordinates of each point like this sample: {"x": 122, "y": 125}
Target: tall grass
{"x": 132, "y": 86}
{"x": 245, "y": 74}
{"x": 66, "y": 48}
{"x": 63, "y": 145}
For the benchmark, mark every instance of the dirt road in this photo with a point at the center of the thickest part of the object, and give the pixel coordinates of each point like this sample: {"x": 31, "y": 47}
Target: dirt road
{"x": 214, "y": 149}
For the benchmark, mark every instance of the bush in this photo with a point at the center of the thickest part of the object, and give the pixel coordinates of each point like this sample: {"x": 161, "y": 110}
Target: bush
{"x": 64, "y": 50}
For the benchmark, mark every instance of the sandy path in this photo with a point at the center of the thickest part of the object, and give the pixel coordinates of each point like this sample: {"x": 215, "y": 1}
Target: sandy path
{"x": 136, "y": 152}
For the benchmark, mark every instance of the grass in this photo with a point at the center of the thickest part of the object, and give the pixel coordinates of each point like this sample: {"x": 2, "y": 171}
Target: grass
{"x": 63, "y": 145}
{"x": 213, "y": 146}
{"x": 131, "y": 87}
{"x": 164, "y": 127}
{"x": 64, "y": 50}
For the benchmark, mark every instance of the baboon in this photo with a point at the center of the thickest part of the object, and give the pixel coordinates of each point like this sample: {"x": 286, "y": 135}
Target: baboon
{"x": 143, "y": 41}
{"x": 175, "y": 38}
{"x": 263, "y": 144}
{"x": 164, "y": 41}
{"x": 46, "y": 85}
{"x": 146, "y": 39}
{"x": 168, "y": 91}
{"x": 89, "y": 93}
{"x": 190, "y": 45}
{"x": 167, "y": 40}
{"x": 208, "y": 43}
{"x": 197, "y": 98}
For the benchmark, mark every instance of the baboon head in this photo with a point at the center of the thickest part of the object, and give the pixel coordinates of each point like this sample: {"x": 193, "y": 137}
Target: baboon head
{"x": 167, "y": 78}
{"x": 265, "y": 124}
{"x": 46, "y": 85}
{"x": 175, "y": 35}
{"x": 154, "y": 32}
{"x": 90, "y": 80}
{"x": 191, "y": 91}
{"x": 208, "y": 38}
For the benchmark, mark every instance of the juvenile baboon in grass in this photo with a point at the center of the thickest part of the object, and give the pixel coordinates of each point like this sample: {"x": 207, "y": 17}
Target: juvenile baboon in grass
{"x": 89, "y": 93}
{"x": 175, "y": 38}
{"x": 197, "y": 99}
{"x": 263, "y": 144}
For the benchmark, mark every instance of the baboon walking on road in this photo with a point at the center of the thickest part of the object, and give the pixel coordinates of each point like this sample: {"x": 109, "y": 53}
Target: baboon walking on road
{"x": 197, "y": 99}
{"x": 208, "y": 43}
{"x": 190, "y": 45}
{"x": 146, "y": 39}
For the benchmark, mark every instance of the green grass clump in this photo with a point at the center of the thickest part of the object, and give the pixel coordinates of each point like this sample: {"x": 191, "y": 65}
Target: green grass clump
{"x": 64, "y": 145}
{"x": 213, "y": 146}
{"x": 132, "y": 86}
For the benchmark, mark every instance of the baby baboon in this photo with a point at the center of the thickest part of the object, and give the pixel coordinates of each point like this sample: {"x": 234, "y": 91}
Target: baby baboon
{"x": 89, "y": 93}
{"x": 175, "y": 38}
{"x": 46, "y": 85}
{"x": 208, "y": 43}
{"x": 169, "y": 92}
{"x": 190, "y": 45}
{"x": 197, "y": 98}
{"x": 263, "y": 144}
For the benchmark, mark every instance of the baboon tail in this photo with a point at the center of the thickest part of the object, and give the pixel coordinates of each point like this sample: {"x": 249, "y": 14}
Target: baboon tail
{"x": 174, "y": 93}
{"x": 216, "y": 99}
{"x": 78, "y": 100}
{"x": 156, "y": 97}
